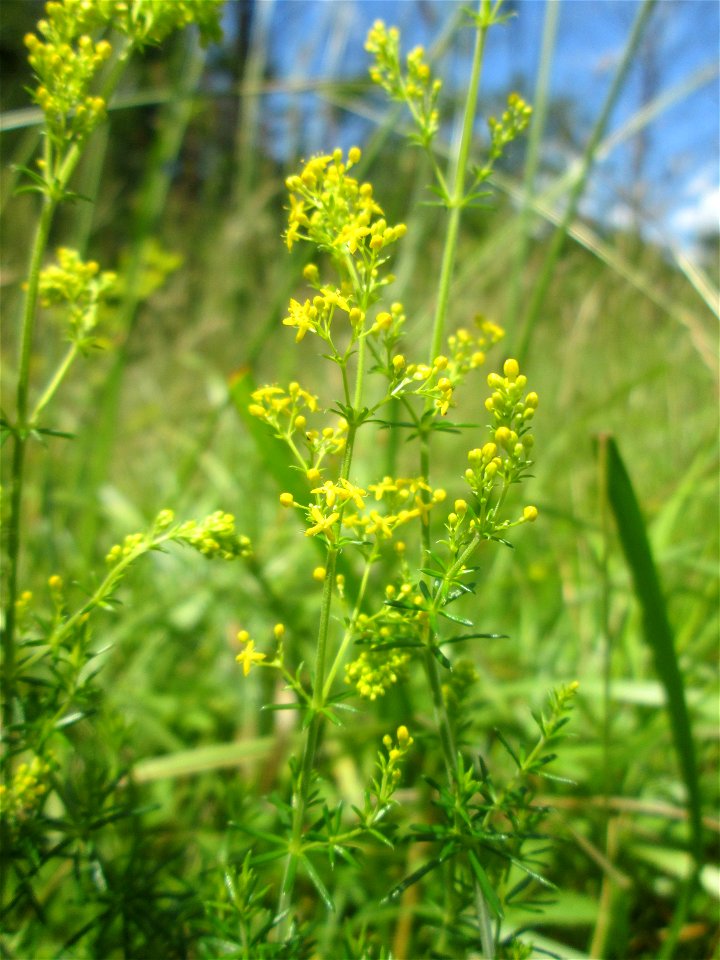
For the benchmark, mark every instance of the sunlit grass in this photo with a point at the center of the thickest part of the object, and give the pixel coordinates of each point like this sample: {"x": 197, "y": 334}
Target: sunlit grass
{"x": 624, "y": 341}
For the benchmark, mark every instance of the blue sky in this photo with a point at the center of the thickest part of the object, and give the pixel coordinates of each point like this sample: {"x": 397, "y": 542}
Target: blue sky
{"x": 323, "y": 40}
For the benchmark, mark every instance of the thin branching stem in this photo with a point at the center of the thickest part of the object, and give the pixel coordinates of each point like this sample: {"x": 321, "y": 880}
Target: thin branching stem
{"x": 54, "y": 193}
{"x": 320, "y": 687}
{"x": 456, "y": 203}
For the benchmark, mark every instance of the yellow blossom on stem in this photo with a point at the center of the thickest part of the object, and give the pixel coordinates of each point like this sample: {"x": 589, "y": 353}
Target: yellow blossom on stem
{"x": 248, "y": 657}
{"x": 321, "y": 523}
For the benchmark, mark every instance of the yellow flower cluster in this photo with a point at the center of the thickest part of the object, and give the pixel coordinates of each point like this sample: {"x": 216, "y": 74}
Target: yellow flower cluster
{"x": 511, "y": 411}
{"x": 316, "y": 315}
{"x": 249, "y": 656}
{"x": 404, "y": 499}
{"x": 29, "y": 785}
{"x": 65, "y": 65}
{"x": 333, "y": 210}
{"x": 512, "y": 123}
{"x": 439, "y": 379}
{"x": 467, "y": 349}
{"x": 67, "y": 59}
{"x": 215, "y": 536}
{"x": 133, "y": 545}
{"x": 505, "y": 458}
{"x": 389, "y": 323}
{"x": 415, "y": 86}
{"x": 285, "y": 411}
{"x": 270, "y": 403}
{"x": 396, "y": 751}
{"x": 79, "y": 286}
{"x": 400, "y": 620}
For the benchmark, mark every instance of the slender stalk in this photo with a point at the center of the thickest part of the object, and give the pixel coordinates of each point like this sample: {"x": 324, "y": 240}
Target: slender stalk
{"x": 320, "y": 686}
{"x": 23, "y": 425}
{"x": 591, "y": 150}
{"x": 55, "y": 381}
{"x": 456, "y": 202}
{"x": 342, "y": 649}
{"x": 20, "y": 438}
{"x": 537, "y": 127}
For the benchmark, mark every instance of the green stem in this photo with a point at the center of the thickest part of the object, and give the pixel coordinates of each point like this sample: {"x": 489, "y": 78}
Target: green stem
{"x": 455, "y": 203}
{"x": 548, "y": 269}
{"x": 50, "y": 201}
{"x": 57, "y": 379}
{"x": 20, "y": 438}
{"x": 342, "y": 649}
{"x": 540, "y": 105}
{"x": 320, "y": 687}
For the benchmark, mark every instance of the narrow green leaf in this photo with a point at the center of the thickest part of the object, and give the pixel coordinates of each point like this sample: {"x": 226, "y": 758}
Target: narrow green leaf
{"x": 412, "y": 878}
{"x": 476, "y": 636}
{"x": 488, "y": 892}
{"x": 463, "y": 621}
{"x": 656, "y": 624}
{"x": 318, "y": 884}
{"x": 504, "y": 742}
{"x": 441, "y": 658}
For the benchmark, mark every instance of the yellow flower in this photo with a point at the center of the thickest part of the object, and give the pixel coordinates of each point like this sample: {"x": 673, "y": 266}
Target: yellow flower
{"x": 248, "y": 657}
{"x": 321, "y": 522}
{"x": 380, "y": 525}
{"x": 303, "y": 316}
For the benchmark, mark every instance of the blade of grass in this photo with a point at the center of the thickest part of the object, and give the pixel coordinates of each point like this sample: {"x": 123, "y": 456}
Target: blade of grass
{"x": 699, "y": 281}
{"x": 588, "y": 238}
{"x": 191, "y": 763}
{"x": 152, "y": 201}
{"x": 548, "y": 269}
{"x": 659, "y": 637}
{"x": 540, "y": 104}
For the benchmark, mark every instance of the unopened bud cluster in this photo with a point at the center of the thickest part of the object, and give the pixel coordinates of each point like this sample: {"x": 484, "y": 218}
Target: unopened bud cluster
{"x": 77, "y": 285}
{"x": 511, "y": 124}
{"x": 500, "y": 462}
{"x": 414, "y": 85}
{"x": 397, "y": 749}
{"x": 66, "y": 65}
{"x": 66, "y": 58}
{"x": 215, "y": 536}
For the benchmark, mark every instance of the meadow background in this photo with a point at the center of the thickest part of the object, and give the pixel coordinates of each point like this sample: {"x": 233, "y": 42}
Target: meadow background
{"x": 617, "y": 328}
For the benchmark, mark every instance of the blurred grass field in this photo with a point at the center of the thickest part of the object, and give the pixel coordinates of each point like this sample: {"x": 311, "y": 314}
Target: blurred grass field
{"x": 188, "y": 204}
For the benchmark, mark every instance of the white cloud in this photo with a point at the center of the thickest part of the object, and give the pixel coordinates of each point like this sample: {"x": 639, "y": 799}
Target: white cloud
{"x": 699, "y": 210}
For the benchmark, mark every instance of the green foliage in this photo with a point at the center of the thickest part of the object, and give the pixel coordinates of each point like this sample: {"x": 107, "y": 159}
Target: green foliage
{"x": 161, "y": 800}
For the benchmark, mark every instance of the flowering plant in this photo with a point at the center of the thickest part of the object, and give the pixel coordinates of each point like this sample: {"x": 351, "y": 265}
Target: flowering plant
{"x": 416, "y": 554}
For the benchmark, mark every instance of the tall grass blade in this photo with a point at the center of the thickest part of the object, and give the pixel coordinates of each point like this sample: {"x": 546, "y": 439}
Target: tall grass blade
{"x": 152, "y": 200}
{"x": 700, "y": 281}
{"x": 540, "y": 102}
{"x": 658, "y": 632}
{"x": 588, "y": 160}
